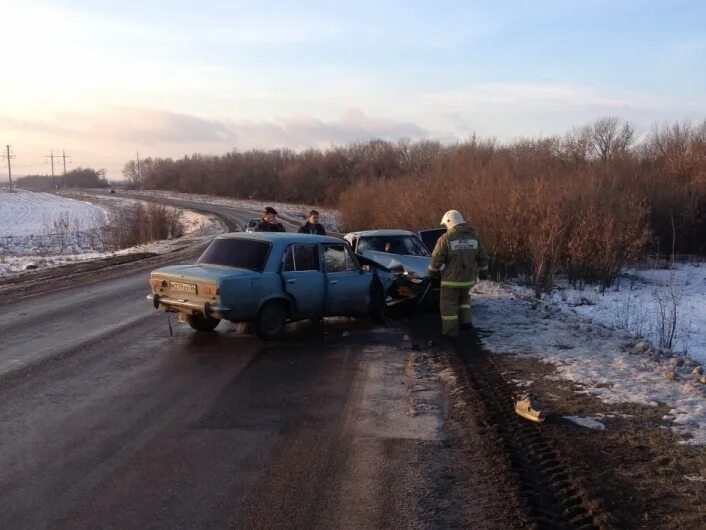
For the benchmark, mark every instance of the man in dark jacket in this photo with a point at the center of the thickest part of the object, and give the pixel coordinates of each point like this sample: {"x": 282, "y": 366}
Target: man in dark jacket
{"x": 269, "y": 222}
{"x": 312, "y": 226}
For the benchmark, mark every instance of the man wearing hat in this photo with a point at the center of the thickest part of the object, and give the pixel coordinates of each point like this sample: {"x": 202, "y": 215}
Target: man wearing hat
{"x": 458, "y": 258}
{"x": 269, "y": 222}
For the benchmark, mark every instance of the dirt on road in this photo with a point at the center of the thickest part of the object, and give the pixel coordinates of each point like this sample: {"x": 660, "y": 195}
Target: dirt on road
{"x": 633, "y": 472}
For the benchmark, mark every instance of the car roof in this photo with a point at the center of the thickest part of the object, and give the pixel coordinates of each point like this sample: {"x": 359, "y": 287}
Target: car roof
{"x": 383, "y": 233}
{"x": 287, "y": 237}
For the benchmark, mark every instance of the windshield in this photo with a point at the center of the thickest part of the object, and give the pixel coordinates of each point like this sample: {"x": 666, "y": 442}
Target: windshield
{"x": 240, "y": 253}
{"x": 401, "y": 245}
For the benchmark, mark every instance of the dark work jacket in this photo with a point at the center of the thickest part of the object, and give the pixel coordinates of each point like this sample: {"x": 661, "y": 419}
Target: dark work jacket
{"x": 315, "y": 229}
{"x": 264, "y": 226}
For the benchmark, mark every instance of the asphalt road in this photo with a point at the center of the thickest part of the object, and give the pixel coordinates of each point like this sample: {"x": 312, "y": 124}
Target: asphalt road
{"x": 108, "y": 421}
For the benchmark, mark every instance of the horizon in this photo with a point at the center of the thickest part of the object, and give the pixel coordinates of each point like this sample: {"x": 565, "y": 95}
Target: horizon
{"x": 243, "y": 76}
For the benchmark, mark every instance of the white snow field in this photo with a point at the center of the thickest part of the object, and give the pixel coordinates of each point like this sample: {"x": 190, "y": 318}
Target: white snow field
{"x": 602, "y": 360}
{"x": 646, "y": 305}
{"x": 41, "y": 230}
{"x": 35, "y": 227}
{"x": 28, "y": 213}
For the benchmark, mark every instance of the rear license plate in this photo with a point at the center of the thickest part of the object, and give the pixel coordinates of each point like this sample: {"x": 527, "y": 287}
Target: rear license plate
{"x": 183, "y": 287}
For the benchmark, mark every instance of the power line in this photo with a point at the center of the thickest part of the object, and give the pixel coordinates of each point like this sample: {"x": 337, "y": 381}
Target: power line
{"x": 63, "y": 180}
{"x": 9, "y": 158}
{"x": 52, "y": 156}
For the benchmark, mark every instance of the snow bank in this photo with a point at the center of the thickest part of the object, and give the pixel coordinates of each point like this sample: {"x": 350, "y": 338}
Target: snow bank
{"x": 596, "y": 358}
{"x": 637, "y": 306}
{"x": 39, "y": 230}
{"x": 27, "y": 213}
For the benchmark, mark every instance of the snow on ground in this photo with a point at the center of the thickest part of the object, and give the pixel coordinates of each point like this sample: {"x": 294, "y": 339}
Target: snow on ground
{"x": 645, "y": 304}
{"x": 330, "y": 218}
{"x": 27, "y": 213}
{"x": 589, "y": 422}
{"x": 598, "y": 359}
{"x": 41, "y": 230}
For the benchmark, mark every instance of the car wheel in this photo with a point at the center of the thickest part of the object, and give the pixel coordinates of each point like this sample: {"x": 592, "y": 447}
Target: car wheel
{"x": 202, "y": 322}
{"x": 376, "y": 309}
{"x": 271, "y": 320}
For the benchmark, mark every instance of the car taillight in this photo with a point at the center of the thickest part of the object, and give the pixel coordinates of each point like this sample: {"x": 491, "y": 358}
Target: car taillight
{"x": 209, "y": 290}
{"x": 156, "y": 283}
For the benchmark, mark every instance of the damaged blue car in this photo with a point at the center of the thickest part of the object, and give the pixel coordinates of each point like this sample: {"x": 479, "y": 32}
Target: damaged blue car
{"x": 270, "y": 279}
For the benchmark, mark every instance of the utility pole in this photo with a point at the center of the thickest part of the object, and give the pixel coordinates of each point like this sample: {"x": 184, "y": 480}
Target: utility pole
{"x": 63, "y": 155}
{"x": 9, "y": 164}
{"x": 52, "y": 156}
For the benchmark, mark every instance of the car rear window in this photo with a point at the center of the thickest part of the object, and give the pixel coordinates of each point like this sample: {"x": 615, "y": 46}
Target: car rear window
{"x": 240, "y": 253}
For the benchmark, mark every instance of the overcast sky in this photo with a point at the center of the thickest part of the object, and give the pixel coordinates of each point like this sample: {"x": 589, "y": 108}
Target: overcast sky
{"x": 106, "y": 79}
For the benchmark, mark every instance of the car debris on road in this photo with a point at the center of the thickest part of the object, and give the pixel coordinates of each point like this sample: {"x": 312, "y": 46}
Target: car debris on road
{"x": 529, "y": 408}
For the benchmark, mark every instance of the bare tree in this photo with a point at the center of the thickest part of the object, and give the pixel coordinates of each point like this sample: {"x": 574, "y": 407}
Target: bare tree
{"x": 609, "y": 138}
{"x": 132, "y": 175}
{"x": 577, "y": 145}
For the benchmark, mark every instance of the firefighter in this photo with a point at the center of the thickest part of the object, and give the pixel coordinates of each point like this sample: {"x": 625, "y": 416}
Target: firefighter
{"x": 458, "y": 258}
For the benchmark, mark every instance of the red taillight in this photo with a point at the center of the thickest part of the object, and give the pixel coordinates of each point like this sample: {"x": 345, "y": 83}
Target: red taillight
{"x": 209, "y": 290}
{"x": 156, "y": 283}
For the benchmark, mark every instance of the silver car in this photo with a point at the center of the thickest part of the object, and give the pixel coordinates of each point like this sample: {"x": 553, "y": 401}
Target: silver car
{"x": 251, "y": 224}
{"x": 404, "y": 252}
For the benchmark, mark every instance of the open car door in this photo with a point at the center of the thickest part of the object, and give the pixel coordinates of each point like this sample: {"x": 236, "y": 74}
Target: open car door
{"x": 430, "y": 237}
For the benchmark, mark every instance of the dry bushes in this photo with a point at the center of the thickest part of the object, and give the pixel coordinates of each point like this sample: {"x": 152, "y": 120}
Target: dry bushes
{"x": 538, "y": 211}
{"x": 142, "y": 223}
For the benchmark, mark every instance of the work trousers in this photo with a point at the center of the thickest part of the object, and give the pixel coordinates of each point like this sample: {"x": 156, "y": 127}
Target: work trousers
{"x": 455, "y": 306}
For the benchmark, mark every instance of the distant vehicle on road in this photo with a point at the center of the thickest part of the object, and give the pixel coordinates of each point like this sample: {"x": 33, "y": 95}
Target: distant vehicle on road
{"x": 405, "y": 253}
{"x": 269, "y": 279}
{"x": 251, "y": 224}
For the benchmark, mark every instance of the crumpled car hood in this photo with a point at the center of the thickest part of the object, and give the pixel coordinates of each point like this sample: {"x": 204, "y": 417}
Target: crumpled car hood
{"x": 417, "y": 265}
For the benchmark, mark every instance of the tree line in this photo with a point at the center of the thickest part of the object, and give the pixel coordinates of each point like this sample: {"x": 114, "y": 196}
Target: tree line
{"x": 79, "y": 177}
{"x": 586, "y": 203}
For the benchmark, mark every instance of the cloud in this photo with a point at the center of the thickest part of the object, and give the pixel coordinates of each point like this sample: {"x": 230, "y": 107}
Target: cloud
{"x": 509, "y": 110}
{"x": 552, "y": 95}
{"x": 305, "y": 131}
{"x": 109, "y": 138}
{"x": 150, "y": 127}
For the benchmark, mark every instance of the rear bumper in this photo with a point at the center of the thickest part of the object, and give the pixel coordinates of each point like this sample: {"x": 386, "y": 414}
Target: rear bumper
{"x": 174, "y": 304}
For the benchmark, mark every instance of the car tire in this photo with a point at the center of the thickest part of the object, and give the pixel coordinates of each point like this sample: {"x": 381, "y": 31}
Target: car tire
{"x": 201, "y": 322}
{"x": 376, "y": 309}
{"x": 271, "y": 320}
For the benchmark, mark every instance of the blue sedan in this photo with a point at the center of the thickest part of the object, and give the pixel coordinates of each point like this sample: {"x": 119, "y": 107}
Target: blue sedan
{"x": 270, "y": 279}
